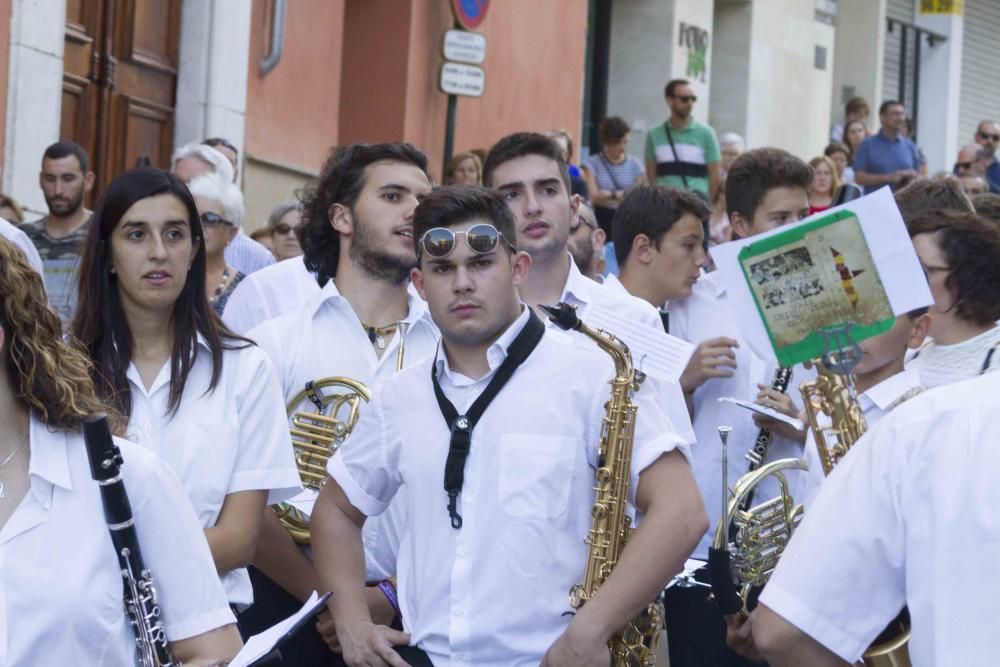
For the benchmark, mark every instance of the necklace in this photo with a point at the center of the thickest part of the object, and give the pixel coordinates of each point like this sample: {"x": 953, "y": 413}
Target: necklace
{"x": 9, "y": 458}
{"x": 377, "y": 334}
{"x": 222, "y": 286}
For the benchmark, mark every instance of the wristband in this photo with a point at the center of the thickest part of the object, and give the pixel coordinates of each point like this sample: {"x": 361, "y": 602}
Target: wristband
{"x": 389, "y": 591}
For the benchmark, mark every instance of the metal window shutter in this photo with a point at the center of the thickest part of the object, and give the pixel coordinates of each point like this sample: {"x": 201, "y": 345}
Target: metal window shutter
{"x": 903, "y": 11}
{"x": 980, "y": 96}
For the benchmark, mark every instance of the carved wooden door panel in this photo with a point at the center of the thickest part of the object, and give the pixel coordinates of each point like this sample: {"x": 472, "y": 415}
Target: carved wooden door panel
{"x": 126, "y": 107}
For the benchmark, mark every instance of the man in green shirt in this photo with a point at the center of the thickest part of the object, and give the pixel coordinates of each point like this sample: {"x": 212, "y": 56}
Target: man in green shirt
{"x": 682, "y": 152}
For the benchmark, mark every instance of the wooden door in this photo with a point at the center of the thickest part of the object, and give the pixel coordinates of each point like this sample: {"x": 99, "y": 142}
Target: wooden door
{"x": 121, "y": 108}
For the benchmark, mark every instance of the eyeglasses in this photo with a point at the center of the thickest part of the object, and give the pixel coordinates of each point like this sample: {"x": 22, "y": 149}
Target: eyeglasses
{"x": 210, "y": 219}
{"x": 962, "y": 166}
{"x": 581, "y": 221}
{"x": 481, "y": 239}
{"x": 282, "y": 228}
{"x": 686, "y": 98}
{"x": 991, "y": 137}
{"x": 219, "y": 141}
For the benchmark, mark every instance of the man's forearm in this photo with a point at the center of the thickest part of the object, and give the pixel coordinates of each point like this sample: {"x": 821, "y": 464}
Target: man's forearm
{"x": 339, "y": 556}
{"x": 283, "y": 561}
{"x": 655, "y": 552}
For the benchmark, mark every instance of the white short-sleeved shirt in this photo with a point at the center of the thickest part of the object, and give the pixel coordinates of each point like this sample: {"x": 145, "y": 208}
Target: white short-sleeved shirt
{"x": 494, "y": 592}
{"x": 611, "y": 296}
{"x": 907, "y": 517}
{"x": 246, "y": 255}
{"x": 272, "y": 291}
{"x": 875, "y": 404}
{"x": 292, "y": 341}
{"x": 944, "y": 364}
{"x": 22, "y": 241}
{"x": 706, "y": 314}
{"x": 232, "y": 439}
{"x": 60, "y": 586}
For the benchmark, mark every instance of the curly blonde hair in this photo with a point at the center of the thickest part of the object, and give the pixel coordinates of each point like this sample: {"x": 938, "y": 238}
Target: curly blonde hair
{"x": 52, "y": 378}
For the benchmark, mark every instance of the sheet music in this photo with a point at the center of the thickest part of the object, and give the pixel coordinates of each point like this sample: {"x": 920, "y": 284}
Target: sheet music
{"x": 766, "y": 411}
{"x": 261, "y": 644}
{"x": 654, "y": 352}
{"x": 304, "y": 501}
{"x": 898, "y": 266}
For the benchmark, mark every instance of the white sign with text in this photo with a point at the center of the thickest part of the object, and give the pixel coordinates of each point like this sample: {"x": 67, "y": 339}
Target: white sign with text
{"x": 467, "y": 80}
{"x": 461, "y": 46}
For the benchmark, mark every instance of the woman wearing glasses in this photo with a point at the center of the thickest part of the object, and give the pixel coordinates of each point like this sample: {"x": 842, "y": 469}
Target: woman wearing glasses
{"x": 220, "y": 207}
{"x": 283, "y": 223}
{"x": 203, "y": 399}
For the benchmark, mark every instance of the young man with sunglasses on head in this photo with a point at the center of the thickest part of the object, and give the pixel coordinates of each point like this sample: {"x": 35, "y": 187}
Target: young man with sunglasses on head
{"x": 682, "y": 152}
{"x": 363, "y": 325}
{"x": 484, "y": 571}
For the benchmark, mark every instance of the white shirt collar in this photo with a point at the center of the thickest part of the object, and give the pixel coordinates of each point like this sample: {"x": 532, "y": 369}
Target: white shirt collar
{"x": 577, "y": 285}
{"x": 49, "y": 457}
{"x": 416, "y": 308}
{"x": 890, "y": 390}
{"x": 495, "y": 354}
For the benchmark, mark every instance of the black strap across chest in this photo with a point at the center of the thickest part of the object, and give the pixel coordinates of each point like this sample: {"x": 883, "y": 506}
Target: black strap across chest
{"x": 461, "y": 425}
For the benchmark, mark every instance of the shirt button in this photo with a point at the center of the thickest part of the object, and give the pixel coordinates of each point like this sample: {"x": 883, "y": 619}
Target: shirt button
{"x": 462, "y": 552}
{"x": 460, "y": 612}
{"x": 147, "y": 426}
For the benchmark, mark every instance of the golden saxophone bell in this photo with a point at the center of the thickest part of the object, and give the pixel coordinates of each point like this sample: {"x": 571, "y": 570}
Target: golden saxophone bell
{"x": 320, "y": 418}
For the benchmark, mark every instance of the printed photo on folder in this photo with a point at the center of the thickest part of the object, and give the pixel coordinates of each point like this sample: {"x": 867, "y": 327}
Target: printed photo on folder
{"x": 815, "y": 278}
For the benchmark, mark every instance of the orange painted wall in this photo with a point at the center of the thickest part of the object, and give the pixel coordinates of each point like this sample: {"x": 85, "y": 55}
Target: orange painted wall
{"x": 293, "y": 114}
{"x": 534, "y": 72}
{"x": 4, "y": 68}
{"x": 535, "y": 53}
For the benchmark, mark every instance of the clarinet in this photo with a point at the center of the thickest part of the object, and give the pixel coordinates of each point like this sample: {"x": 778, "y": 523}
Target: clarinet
{"x": 757, "y": 454}
{"x": 139, "y": 595}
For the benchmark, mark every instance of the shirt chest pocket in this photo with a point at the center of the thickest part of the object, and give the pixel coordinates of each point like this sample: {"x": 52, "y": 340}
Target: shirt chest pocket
{"x": 536, "y": 474}
{"x": 206, "y": 466}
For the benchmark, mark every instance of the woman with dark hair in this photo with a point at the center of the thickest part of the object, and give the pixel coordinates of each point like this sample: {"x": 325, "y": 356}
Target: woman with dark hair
{"x": 62, "y": 601}
{"x": 960, "y": 253}
{"x": 205, "y": 400}
{"x": 612, "y": 172}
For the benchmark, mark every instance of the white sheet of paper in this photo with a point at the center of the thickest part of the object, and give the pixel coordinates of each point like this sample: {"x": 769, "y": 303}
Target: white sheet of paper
{"x": 765, "y": 410}
{"x": 654, "y": 352}
{"x": 898, "y": 266}
{"x": 304, "y": 501}
{"x": 261, "y": 644}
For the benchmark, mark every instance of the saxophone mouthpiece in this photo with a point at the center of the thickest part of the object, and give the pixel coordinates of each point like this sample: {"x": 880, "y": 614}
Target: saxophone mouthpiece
{"x": 563, "y": 314}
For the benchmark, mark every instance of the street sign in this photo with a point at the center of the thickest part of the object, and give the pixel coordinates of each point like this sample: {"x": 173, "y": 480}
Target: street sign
{"x": 467, "y": 80}
{"x": 464, "y": 47}
{"x": 470, "y": 13}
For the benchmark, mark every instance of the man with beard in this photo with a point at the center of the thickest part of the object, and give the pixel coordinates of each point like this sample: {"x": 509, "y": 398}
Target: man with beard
{"x": 586, "y": 242}
{"x": 363, "y": 325}
{"x": 59, "y": 236}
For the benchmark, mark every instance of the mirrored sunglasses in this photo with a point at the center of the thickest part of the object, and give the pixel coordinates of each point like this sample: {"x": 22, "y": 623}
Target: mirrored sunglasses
{"x": 210, "y": 219}
{"x": 481, "y": 239}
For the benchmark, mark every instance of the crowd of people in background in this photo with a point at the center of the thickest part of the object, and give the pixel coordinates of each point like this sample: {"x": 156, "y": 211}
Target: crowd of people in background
{"x": 190, "y": 330}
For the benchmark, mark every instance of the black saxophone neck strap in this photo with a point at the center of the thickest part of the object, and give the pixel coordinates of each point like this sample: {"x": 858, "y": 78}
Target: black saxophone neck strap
{"x": 461, "y": 425}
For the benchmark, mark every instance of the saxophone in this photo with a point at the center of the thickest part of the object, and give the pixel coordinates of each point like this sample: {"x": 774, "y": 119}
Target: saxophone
{"x": 636, "y": 643}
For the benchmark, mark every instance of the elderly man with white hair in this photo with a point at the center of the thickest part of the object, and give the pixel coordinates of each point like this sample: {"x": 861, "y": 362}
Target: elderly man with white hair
{"x": 220, "y": 207}
{"x": 193, "y": 160}
{"x": 731, "y": 145}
